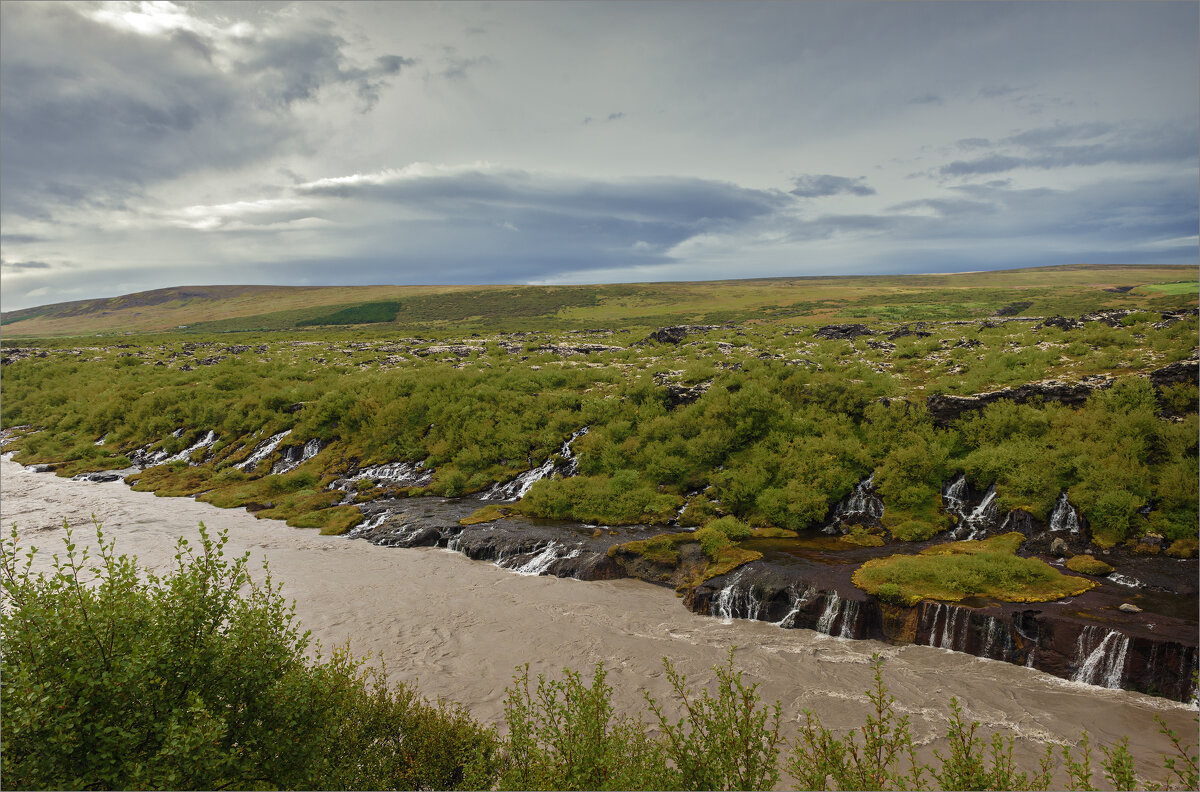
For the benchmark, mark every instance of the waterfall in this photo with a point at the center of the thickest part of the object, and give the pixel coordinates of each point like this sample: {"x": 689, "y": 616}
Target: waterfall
{"x": 186, "y": 453}
{"x": 975, "y": 524}
{"x": 293, "y": 457}
{"x": 1104, "y": 663}
{"x": 737, "y": 602}
{"x": 949, "y": 636}
{"x": 263, "y": 450}
{"x": 1064, "y": 517}
{"x": 368, "y": 525}
{"x": 954, "y": 497}
{"x": 835, "y": 607}
{"x": 998, "y": 638}
{"x": 516, "y": 488}
{"x": 862, "y": 505}
{"x": 796, "y": 600}
{"x": 541, "y": 560}
{"x": 410, "y": 473}
{"x": 1125, "y": 580}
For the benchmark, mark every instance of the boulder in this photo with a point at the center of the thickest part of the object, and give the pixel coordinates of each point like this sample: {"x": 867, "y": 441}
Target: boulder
{"x": 846, "y": 332}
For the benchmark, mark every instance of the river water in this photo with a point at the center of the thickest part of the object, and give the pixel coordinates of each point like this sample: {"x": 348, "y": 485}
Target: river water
{"x": 458, "y": 628}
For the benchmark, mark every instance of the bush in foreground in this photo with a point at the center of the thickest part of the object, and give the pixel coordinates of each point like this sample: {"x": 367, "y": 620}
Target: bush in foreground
{"x": 199, "y": 679}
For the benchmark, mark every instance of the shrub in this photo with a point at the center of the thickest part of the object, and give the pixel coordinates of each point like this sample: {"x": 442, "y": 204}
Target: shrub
{"x": 199, "y": 679}
{"x": 733, "y": 528}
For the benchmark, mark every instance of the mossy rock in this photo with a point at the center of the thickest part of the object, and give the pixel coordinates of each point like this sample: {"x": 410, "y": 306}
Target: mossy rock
{"x": 486, "y": 514}
{"x": 1088, "y": 565}
{"x": 1183, "y": 548}
{"x": 956, "y": 570}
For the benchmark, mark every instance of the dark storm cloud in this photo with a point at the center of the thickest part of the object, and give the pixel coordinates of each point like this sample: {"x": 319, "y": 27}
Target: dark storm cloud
{"x": 92, "y": 122}
{"x": 19, "y": 266}
{"x": 1085, "y": 145}
{"x": 820, "y": 185}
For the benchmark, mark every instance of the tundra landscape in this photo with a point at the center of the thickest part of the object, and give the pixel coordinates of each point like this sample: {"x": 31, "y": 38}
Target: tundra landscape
{"x": 997, "y": 464}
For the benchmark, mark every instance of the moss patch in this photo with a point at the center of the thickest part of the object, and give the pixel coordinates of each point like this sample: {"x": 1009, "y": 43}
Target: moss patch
{"x": 1088, "y": 565}
{"x": 956, "y": 570}
{"x": 486, "y": 514}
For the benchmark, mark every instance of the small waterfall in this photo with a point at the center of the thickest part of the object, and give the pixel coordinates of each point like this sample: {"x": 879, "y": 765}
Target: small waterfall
{"x": 186, "y": 453}
{"x": 975, "y": 524}
{"x": 541, "y": 560}
{"x": 998, "y": 643}
{"x": 737, "y": 602}
{"x": 264, "y": 450}
{"x": 293, "y": 457}
{"x": 839, "y": 613}
{"x": 1064, "y": 517}
{"x": 1104, "y": 662}
{"x": 1125, "y": 580}
{"x": 954, "y": 496}
{"x": 368, "y": 525}
{"x": 860, "y": 506}
{"x": 955, "y": 621}
{"x": 516, "y": 488}
{"x": 411, "y": 474}
{"x": 101, "y": 441}
{"x": 797, "y": 600}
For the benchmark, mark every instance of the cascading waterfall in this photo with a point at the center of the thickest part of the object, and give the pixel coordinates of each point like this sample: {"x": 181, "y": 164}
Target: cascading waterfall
{"x": 1125, "y": 580}
{"x": 1064, "y": 517}
{"x": 975, "y": 524}
{"x": 368, "y": 525}
{"x": 738, "y": 602}
{"x": 1104, "y": 662}
{"x": 541, "y": 560}
{"x": 797, "y": 600}
{"x": 954, "y": 497}
{"x": 293, "y": 459}
{"x": 841, "y": 613}
{"x": 516, "y": 488}
{"x": 861, "y": 504}
{"x": 186, "y": 453}
{"x": 264, "y": 450}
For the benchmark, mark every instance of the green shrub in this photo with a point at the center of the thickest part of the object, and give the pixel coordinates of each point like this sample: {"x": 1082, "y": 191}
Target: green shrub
{"x": 734, "y": 529}
{"x": 199, "y": 679}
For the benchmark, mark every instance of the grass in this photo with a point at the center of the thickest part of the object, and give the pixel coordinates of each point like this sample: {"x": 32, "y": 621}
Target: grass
{"x": 1072, "y": 289}
{"x": 957, "y": 570}
{"x": 1088, "y": 565}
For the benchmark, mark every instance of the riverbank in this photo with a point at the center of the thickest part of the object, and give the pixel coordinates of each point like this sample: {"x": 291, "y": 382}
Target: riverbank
{"x": 458, "y": 627}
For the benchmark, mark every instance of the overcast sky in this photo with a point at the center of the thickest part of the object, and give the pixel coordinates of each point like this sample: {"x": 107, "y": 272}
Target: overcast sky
{"x": 156, "y": 144}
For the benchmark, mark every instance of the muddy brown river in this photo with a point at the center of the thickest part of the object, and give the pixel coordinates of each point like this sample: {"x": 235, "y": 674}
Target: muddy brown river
{"x": 458, "y": 628}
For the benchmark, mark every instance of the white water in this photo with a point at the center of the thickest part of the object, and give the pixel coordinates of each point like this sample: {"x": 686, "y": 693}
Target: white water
{"x": 835, "y": 606}
{"x": 798, "y": 600}
{"x": 459, "y": 628}
{"x": 542, "y": 560}
{"x": 1064, "y": 517}
{"x": 862, "y": 502}
{"x": 310, "y": 450}
{"x": 203, "y": 442}
{"x": 516, "y": 488}
{"x": 1100, "y": 661}
{"x": 264, "y": 450}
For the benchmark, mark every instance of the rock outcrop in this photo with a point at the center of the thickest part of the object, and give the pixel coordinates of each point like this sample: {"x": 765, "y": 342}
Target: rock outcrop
{"x": 945, "y": 408}
{"x": 846, "y": 332}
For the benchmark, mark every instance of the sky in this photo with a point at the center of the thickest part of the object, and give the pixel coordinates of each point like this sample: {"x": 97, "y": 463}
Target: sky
{"x": 154, "y": 144}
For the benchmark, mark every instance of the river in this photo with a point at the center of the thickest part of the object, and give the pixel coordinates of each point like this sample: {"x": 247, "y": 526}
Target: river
{"x": 458, "y": 628}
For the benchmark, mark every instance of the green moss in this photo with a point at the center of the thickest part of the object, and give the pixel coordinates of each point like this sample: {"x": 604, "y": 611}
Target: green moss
{"x": 1088, "y": 565}
{"x": 1183, "y": 548}
{"x": 486, "y": 514}
{"x": 954, "y": 571}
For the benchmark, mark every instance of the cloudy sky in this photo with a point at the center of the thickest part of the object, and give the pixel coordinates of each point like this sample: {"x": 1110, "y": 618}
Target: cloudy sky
{"x": 155, "y": 144}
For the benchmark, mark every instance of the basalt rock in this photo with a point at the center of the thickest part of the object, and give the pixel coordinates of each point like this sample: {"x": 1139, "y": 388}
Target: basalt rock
{"x": 1175, "y": 373}
{"x": 1061, "y": 322}
{"x": 945, "y": 409}
{"x": 918, "y": 330}
{"x": 676, "y": 333}
{"x": 846, "y": 332}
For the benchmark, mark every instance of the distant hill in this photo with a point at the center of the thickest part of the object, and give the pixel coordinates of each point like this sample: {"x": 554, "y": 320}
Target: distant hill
{"x": 199, "y": 309}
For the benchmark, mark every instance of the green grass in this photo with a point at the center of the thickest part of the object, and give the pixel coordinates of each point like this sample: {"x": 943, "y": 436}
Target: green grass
{"x": 1181, "y": 287}
{"x": 957, "y": 570}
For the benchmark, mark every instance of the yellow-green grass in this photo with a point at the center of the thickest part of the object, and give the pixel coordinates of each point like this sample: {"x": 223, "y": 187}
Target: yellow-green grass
{"x": 664, "y": 550}
{"x": 1069, "y": 289}
{"x": 954, "y": 571}
{"x": 1088, "y": 565}
{"x": 485, "y": 514}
